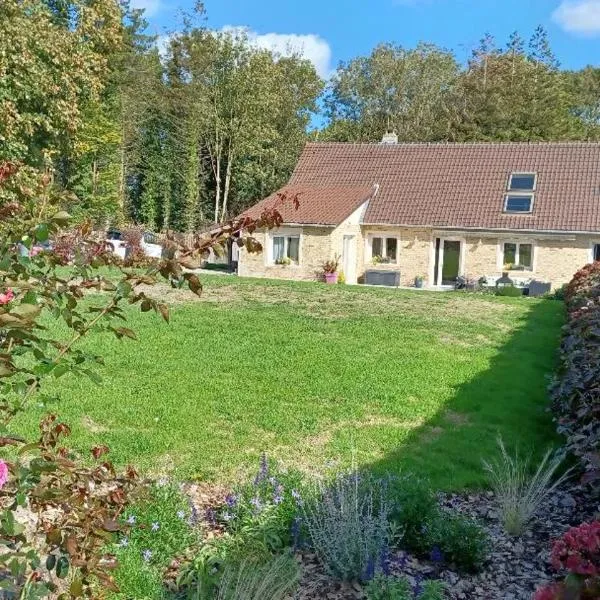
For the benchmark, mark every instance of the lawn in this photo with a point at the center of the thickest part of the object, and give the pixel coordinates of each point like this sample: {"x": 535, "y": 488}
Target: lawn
{"x": 316, "y": 375}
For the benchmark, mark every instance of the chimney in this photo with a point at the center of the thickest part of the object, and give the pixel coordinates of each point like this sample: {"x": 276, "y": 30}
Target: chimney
{"x": 390, "y": 137}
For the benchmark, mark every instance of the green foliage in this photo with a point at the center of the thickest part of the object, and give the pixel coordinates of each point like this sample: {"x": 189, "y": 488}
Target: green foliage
{"x": 414, "y": 504}
{"x": 159, "y": 530}
{"x": 262, "y": 513}
{"x": 385, "y": 587}
{"x": 509, "y": 291}
{"x": 461, "y": 540}
{"x": 431, "y": 532}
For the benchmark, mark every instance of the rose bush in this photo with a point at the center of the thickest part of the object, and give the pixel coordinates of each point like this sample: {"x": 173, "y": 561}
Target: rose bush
{"x": 74, "y": 507}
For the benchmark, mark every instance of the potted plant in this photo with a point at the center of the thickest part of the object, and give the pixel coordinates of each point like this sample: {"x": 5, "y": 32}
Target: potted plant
{"x": 419, "y": 281}
{"x": 286, "y": 261}
{"x": 330, "y": 270}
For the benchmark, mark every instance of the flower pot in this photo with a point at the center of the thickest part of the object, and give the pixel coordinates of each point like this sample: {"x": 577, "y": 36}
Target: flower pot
{"x": 331, "y": 278}
{"x": 419, "y": 282}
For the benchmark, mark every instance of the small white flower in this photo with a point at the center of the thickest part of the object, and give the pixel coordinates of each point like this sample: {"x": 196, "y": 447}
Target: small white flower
{"x": 155, "y": 526}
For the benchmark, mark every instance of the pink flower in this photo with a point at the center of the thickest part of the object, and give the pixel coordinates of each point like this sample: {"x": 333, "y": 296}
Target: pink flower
{"x": 7, "y": 297}
{"x": 3, "y": 473}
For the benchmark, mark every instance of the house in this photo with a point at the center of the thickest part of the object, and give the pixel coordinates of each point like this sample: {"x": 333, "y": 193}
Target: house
{"x": 438, "y": 211}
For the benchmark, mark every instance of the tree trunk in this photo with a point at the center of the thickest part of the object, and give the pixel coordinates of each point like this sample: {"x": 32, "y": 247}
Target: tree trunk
{"x": 227, "y": 183}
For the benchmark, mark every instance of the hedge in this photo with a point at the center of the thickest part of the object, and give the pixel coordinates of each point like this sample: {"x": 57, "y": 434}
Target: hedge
{"x": 575, "y": 389}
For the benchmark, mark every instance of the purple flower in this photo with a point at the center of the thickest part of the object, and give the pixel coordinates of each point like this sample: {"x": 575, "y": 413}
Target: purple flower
{"x": 256, "y": 503}
{"x": 297, "y": 497}
{"x": 227, "y": 517}
{"x": 147, "y": 555}
{"x": 231, "y": 500}
{"x": 162, "y": 482}
{"x": 124, "y": 543}
{"x": 131, "y": 520}
{"x": 155, "y": 526}
{"x": 436, "y": 555}
{"x": 277, "y": 499}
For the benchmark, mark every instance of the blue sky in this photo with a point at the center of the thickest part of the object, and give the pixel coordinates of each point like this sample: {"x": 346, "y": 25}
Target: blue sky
{"x": 328, "y": 31}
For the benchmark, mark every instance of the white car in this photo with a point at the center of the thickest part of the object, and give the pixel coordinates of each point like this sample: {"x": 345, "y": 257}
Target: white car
{"x": 119, "y": 246}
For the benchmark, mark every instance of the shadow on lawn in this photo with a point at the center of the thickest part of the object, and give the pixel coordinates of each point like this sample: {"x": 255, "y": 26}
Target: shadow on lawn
{"x": 509, "y": 398}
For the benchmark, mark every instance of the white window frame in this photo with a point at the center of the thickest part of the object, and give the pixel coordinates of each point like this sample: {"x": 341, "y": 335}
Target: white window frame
{"x": 518, "y": 243}
{"x": 284, "y": 233}
{"x": 437, "y": 275}
{"x": 521, "y": 174}
{"x": 530, "y": 195}
{"x": 384, "y": 237}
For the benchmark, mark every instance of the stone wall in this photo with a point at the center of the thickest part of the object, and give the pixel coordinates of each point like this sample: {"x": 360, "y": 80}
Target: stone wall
{"x": 556, "y": 258}
{"x": 315, "y": 249}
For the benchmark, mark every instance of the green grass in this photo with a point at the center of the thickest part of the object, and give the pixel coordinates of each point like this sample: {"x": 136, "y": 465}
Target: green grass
{"x": 311, "y": 373}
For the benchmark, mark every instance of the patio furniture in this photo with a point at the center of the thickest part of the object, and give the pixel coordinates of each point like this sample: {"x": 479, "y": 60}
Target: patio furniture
{"x": 387, "y": 278}
{"x": 539, "y": 288}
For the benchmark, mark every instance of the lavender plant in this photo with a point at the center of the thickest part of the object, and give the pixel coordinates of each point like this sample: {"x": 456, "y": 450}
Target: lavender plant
{"x": 263, "y": 511}
{"x": 349, "y": 526}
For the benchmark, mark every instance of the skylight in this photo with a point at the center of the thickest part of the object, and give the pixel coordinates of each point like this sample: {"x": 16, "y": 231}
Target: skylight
{"x": 518, "y": 203}
{"x": 522, "y": 182}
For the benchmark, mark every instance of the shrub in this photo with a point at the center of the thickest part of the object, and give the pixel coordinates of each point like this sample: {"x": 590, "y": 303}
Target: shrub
{"x": 384, "y": 587}
{"x": 518, "y": 493}
{"x": 44, "y": 477}
{"x": 413, "y": 505}
{"x": 578, "y": 553}
{"x": 458, "y": 540}
{"x": 275, "y": 579}
{"x": 348, "y": 525}
{"x": 432, "y": 533}
{"x": 509, "y": 291}
{"x": 576, "y": 386}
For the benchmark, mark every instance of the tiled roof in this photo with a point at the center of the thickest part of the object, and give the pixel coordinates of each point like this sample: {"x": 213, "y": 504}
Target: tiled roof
{"x": 450, "y": 185}
{"x": 318, "y": 204}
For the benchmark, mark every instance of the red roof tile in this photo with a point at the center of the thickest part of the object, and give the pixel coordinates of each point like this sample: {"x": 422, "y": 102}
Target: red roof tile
{"x": 449, "y": 185}
{"x": 318, "y": 204}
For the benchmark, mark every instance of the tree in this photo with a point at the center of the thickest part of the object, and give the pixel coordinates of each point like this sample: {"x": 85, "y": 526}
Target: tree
{"x": 52, "y": 60}
{"x": 408, "y": 91}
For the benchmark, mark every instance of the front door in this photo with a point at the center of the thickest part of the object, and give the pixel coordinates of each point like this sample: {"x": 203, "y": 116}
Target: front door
{"x": 447, "y": 263}
{"x": 349, "y": 258}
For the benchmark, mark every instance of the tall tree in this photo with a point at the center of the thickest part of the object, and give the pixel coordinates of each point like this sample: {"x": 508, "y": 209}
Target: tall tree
{"x": 409, "y": 91}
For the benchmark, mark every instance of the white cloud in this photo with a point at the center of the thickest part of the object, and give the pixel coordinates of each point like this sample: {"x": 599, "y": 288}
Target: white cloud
{"x": 310, "y": 46}
{"x": 579, "y": 16}
{"x": 150, "y": 6}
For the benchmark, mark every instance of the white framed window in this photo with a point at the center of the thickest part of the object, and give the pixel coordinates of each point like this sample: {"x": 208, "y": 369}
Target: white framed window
{"x": 594, "y": 251}
{"x": 517, "y": 256}
{"x": 285, "y": 249}
{"x": 383, "y": 249}
{"x": 518, "y": 203}
{"x": 522, "y": 182}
